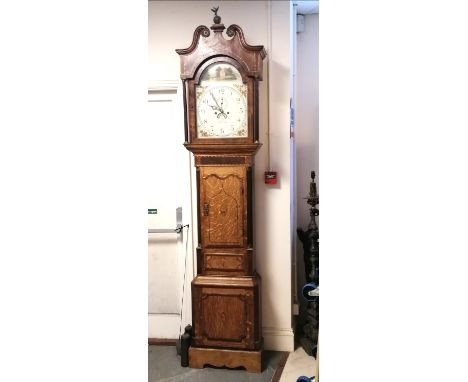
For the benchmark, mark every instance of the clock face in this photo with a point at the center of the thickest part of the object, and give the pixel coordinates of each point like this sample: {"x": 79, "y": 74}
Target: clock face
{"x": 221, "y": 102}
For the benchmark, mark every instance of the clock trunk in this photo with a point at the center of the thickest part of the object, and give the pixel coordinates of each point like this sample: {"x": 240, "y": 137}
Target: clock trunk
{"x": 226, "y": 229}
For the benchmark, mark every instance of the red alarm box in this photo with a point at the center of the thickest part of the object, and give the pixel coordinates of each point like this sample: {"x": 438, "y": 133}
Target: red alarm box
{"x": 271, "y": 177}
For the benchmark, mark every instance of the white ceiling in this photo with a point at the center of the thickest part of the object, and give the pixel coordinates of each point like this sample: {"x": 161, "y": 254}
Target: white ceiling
{"x": 307, "y": 7}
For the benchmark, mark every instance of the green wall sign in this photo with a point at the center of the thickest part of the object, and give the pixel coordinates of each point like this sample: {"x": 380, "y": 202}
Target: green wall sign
{"x": 152, "y": 210}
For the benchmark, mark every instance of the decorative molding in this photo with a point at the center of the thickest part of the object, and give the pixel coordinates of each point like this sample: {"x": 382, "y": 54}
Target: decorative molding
{"x": 223, "y": 147}
{"x": 201, "y": 30}
{"x": 278, "y": 339}
{"x": 163, "y": 86}
{"x": 236, "y": 29}
{"x": 250, "y": 360}
{"x": 215, "y": 45}
{"x": 162, "y": 90}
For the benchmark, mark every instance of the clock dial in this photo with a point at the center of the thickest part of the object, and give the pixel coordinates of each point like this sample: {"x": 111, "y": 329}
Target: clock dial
{"x": 221, "y": 99}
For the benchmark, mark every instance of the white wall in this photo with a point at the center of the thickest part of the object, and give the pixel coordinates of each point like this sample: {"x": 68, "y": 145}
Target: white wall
{"x": 272, "y": 220}
{"x": 307, "y": 126}
{"x": 171, "y": 26}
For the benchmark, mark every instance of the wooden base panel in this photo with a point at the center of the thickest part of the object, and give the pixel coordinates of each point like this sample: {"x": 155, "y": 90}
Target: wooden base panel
{"x": 250, "y": 360}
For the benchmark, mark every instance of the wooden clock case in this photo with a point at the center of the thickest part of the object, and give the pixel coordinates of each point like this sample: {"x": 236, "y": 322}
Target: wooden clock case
{"x": 226, "y": 292}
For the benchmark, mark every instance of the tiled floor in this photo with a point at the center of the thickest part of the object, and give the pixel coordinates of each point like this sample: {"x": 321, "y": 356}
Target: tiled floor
{"x": 298, "y": 363}
{"x": 164, "y": 366}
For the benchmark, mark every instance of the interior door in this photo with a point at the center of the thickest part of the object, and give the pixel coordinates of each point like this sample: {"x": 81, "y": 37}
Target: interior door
{"x": 168, "y": 192}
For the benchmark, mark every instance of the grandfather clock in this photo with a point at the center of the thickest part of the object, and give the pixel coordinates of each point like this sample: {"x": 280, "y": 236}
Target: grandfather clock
{"x": 220, "y": 79}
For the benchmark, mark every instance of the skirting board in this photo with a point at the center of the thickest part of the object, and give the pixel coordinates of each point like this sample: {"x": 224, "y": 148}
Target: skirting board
{"x": 278, "y": 339}
{"x": 274, "y": 339}
{"x": 162, "y": 341}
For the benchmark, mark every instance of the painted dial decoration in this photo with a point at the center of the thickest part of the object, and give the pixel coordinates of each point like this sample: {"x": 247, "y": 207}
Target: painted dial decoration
{"x": 221, "y": 103}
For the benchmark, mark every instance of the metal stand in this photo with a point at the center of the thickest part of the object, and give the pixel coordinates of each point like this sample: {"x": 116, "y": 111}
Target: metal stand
{"x": 310, "y": 243}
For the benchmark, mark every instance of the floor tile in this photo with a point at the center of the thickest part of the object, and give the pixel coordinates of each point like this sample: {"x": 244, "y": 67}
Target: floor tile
{"x": 298, "y": 363}
{"x": 164, "y": 366}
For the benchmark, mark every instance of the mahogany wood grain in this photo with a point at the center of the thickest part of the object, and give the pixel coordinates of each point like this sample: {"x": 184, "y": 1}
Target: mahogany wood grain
{"x": 212, "y": 47}
{"x": 206, "y": 44}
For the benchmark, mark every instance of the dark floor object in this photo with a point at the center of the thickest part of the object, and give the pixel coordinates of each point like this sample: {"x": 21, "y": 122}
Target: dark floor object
{"x": 164, "y": 366}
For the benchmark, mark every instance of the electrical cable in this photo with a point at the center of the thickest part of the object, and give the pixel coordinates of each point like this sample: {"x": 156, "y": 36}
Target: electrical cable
{"x": 185, "y": 273}
{"x": 269, "y": 59}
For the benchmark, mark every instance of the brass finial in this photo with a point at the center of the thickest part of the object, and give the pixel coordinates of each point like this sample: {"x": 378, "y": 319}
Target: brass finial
{"x": 216, "y": 18}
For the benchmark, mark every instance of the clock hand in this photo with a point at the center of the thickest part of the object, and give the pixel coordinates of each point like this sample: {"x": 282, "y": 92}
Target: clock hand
{"x": 221, "y": 111}
{"x": 216, "y": 102}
